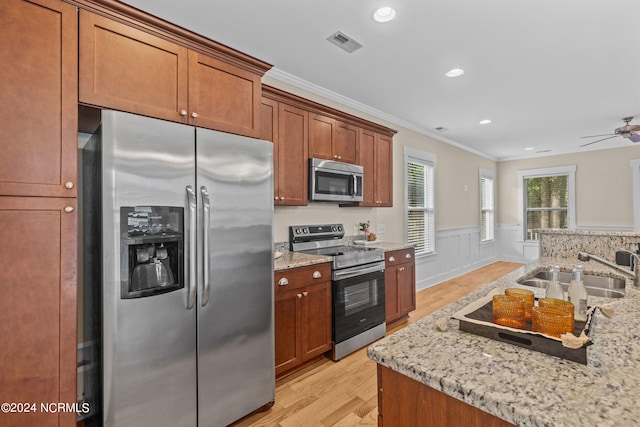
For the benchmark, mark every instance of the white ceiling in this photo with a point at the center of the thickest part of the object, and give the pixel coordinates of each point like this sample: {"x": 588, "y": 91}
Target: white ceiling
{"x": 546, "y": 72}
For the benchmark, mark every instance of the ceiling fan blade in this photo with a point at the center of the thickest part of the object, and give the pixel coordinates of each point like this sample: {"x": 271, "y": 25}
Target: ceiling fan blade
{"x": 595, "y": 136}
{"x": 593, "y": 142}
{"x": 635, "y": 137}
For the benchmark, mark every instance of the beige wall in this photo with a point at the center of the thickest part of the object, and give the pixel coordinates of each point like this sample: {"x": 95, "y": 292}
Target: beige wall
{"x": 455, "y": 169}
{"x": 603, "y": 186}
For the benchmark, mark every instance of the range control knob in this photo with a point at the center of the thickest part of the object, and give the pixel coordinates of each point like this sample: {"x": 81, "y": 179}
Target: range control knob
{"x": 334, "y": 228}
{"x": 340, "y": 228}
{"x": 298, "y": 231}
{"x": 305, "y": 230}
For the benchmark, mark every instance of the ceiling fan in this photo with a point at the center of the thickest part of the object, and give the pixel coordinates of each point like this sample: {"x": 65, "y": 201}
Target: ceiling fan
{"x": 627, "y": 131}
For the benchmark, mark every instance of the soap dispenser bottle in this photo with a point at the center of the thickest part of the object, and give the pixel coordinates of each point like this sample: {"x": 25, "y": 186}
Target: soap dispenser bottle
{"x": 578, "y": 294}
{"x": 554, "y": 288}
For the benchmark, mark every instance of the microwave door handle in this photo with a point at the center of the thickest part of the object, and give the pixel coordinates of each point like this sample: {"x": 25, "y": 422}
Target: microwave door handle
{"x": 354, "y": 190}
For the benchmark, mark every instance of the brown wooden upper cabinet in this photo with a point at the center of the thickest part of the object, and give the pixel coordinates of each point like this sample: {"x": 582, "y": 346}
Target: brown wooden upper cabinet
{"x": 332, "y": 139}
{"x": 375, "y": 154}
{"x": 134, "y": 69}
{"x": 38, "y": 112}
{"x": 287, "y": 127}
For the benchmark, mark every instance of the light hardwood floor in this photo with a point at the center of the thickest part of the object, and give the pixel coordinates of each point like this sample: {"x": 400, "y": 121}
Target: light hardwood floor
{"x": 345, "y": 393}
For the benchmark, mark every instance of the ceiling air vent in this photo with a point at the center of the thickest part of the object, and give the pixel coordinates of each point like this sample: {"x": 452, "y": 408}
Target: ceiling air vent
{"x": 441, "y": 129}
{"x": 344, "y": 42}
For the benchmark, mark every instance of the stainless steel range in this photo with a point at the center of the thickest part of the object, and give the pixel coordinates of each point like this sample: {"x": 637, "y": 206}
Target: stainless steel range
{"x": 357, "y": 285}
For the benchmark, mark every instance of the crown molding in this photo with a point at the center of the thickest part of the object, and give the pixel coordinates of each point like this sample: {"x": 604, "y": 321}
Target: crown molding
{"x": 283, "y": 76}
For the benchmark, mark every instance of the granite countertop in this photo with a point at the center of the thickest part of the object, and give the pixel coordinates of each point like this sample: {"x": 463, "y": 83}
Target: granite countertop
{"x": 521, "y": 386}
{"x": 296, "y": 259}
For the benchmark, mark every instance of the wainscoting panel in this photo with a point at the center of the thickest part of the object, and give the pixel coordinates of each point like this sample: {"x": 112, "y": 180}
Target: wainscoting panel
{"x": 458, "y": 251}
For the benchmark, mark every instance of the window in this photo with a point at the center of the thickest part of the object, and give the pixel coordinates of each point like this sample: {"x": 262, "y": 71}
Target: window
{"x": 420, "y": 194}
{"x": 548, "y": 199}
{"x": 487, "y": 221}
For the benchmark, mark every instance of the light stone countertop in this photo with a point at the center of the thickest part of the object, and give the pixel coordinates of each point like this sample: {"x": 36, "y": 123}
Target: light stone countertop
{"x": 296, "y": 259}
{"x": 521, "y": 386}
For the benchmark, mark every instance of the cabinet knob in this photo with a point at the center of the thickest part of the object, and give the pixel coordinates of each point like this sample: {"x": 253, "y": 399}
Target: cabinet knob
{"x": 392, "y": 259}
{"x": 305, "y": 293}
{"x": 68, "y": 209}
{"x": 68, "y": 185}
{"x": 401, "y": 269}
{"x": 281, "y": 197}
{"x": 407, "y": 256}
{"x": 194, "y": 115}
{"x": 283, "y": 282}
{"x": 317, "y": 275}
{"x": 299, "y": 295}
{"x": 183, "y": 112}
{"x": 335, "y": 156}
{"x": 276, "y": 198}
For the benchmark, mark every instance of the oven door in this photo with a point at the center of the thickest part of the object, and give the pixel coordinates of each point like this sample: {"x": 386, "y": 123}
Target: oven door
{"x": 358, "y": 302}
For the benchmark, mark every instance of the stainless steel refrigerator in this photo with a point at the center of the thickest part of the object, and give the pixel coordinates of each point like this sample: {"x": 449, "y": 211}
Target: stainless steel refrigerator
{"x": 186, "y": 263}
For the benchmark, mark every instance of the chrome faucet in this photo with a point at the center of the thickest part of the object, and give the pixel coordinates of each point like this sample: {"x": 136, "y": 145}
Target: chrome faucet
{"x": 583, "y": 256}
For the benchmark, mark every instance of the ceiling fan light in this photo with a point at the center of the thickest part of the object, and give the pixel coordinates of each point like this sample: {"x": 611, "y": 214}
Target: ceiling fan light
{"x": 384, "y": 14}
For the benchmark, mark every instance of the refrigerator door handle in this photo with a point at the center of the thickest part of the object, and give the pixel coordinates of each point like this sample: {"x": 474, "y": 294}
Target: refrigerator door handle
{"x": 191, "y": 256}
{"x": 206, "y": 214}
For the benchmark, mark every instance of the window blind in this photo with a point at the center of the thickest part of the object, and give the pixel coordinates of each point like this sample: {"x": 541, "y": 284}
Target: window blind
{"x": 420, "y": 206}
{"x": 486, "y": 209}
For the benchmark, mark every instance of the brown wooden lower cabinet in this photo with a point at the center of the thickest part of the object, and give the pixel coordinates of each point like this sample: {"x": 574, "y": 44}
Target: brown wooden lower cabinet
{"x": 302, "y": 316}
{"x": 399, "y": 285}
{"x": 37, "y": 309}
{"x": 404, "y": 402}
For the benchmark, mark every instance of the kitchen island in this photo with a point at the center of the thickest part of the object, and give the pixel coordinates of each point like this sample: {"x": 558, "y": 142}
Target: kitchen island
{"x": 506, "y": 384}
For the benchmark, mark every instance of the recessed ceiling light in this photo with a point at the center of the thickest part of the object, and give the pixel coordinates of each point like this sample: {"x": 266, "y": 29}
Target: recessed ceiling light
{"x": 528, "y": 149}
{"x": 455, "y": 72}
{"x": 484, "y": 122}
{"x": 384, "y": 14}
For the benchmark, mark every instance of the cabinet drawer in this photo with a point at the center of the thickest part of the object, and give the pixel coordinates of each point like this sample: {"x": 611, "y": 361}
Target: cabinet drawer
{"x": 303, "y": 276}
{"x": 398, "y": 257}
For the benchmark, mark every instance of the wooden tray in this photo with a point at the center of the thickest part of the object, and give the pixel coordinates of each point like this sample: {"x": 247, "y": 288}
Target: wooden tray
{"x": 532, "y": 341}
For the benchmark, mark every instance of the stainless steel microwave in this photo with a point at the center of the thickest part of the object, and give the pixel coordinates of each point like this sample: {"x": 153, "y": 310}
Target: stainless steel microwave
{"x": 331, "y": 181}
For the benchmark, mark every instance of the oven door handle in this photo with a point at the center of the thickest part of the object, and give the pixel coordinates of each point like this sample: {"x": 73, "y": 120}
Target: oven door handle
{"x": 339, "y": 275}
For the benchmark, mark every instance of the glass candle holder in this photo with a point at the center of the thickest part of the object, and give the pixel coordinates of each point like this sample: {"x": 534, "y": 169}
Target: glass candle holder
{"x": 509, "y": 311}
{"x": 527, "y": 296}
{"x": 551, "y": 321}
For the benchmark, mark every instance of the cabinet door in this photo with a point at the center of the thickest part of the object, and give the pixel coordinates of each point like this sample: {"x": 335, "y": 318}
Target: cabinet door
{"x": 384, "y": 171}
{"x": 223, "y": 97}
{"x": 346, "y": 142}
{"x": 406, "y": 288}
{"x": 287, "y": 324}
{"x": 269, "y": 132}
{"x": 391, "y": 293}
{"x": 321, "y": 136}
{"x": 316, "y": 320}
{"x": 38, "y": 307}
{"x": 293, "y": 181}
{"x": 39, "y": 108}
{"x": 366, "y": 158}
{"x": 128, "y": 69}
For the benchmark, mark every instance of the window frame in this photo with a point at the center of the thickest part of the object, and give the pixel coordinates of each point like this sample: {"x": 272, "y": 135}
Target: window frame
{"x": 428, "y": 159}
{"x": 487, "y": 175}
{"x": 570, "y": 172}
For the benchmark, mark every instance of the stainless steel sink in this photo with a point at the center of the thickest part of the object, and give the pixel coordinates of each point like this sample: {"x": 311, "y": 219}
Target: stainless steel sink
{"x": 598, "y": 286}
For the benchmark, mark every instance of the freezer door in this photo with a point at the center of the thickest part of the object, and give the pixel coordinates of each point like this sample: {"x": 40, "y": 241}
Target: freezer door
{"x": 149, "y": 341}
{"x": 236, "y": 372}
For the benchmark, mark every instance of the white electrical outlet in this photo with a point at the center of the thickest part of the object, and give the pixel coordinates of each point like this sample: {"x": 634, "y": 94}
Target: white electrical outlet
{"x": 380, "y": 229}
